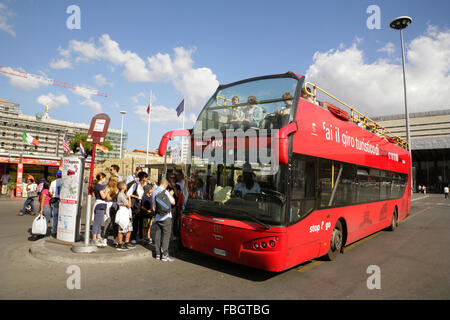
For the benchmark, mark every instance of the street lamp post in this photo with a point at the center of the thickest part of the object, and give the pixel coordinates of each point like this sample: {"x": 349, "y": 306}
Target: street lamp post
{"x": 401, "y": 23}
{"x": 121, "y": 133}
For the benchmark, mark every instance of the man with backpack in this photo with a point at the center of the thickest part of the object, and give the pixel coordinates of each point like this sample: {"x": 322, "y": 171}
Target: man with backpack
{"x": 162, "y": 204}
{"x": 136, "y": 191}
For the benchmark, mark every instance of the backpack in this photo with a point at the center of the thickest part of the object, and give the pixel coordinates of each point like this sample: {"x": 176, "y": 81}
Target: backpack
{"x": 135, "y": 203}
{"x": 162, "y": 204}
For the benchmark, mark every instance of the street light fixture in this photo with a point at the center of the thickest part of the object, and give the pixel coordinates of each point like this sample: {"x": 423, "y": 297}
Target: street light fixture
{"x": 121, "y": 133}
{"x": 401, "y": 23}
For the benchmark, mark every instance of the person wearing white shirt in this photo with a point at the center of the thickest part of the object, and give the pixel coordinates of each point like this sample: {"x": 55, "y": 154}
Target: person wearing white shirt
{"x": 54, "y": 192}
{"x": 136, "y": 192}
{"x": 134, "y": 176}
{"x": 30, "y": 188}
{"x": 446, "y": 190}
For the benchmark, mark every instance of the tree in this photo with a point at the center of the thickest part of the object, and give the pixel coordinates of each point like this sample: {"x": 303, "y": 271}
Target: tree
{"x": 74, "y": 144}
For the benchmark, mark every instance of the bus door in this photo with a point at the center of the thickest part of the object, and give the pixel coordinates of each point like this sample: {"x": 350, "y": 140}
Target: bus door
{"x": 303, "y": 201}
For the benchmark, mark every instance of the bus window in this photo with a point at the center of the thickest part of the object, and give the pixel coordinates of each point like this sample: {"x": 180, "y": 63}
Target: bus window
{"x": 385, "y": 185}
{"x": 303, "y": 184}
{"x": 346, "y": 187}
{"x": 325, "y": 180}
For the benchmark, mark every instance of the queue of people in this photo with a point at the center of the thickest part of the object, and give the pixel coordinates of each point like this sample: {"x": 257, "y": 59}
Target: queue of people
{"x": 134, "y": 206}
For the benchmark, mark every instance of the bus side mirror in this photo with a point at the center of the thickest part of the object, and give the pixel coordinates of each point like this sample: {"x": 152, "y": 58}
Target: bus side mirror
{"x": 283, "y": 142}
{"x": 169, "y": 136}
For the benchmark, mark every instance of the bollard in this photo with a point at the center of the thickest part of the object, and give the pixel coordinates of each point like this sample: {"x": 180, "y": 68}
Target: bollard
{"x": 85, "y": 247}
{"x": 87, "y": 225}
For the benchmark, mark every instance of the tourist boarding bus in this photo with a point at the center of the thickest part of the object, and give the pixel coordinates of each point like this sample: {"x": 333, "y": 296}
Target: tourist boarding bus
{"x": 275, "y": 177}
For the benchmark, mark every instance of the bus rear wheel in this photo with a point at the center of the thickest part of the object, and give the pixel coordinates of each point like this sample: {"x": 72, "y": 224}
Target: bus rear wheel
{"x": 336, "y": 243}
{"x": 394, "y": 222}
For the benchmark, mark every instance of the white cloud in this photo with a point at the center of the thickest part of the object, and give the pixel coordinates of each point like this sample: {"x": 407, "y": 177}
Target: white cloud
{"x": 92, "y": 104}
{"x": 20, "y": 80}
{"x": 60, "y": 64}
{"x": 135, "y": 99}
{"x": 389, "y": 48}
{"x": 377, "y": 88}
{"x": 162, "y": 114}
{"x": 87, "y": 95}
{"x": 100, "y": 80}
{"x": 52, "y": 100}
{"x": 194, "y": 84}
{"x": 5, "y": 15}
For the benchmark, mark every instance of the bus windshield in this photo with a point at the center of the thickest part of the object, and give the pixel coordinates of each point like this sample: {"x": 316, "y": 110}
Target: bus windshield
{"x": 237, "y": 191}
{"x": 258, "y": 104}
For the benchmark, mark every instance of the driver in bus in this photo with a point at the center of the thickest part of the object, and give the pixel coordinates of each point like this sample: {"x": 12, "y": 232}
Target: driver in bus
{"x": 248, "y": 184}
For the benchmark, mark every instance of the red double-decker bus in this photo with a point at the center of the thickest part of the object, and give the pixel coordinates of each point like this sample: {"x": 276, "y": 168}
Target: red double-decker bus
{"x": 276, "y": 178}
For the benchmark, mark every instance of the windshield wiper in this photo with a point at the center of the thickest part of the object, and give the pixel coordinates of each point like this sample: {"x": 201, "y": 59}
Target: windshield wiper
{"x": 253, "y": 218}
{"x": 213, "y": 210}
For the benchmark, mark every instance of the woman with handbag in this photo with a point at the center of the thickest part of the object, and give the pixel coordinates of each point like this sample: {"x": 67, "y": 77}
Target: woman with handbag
{"x": 45, "y": 201}
{"x": 31, "y": 194}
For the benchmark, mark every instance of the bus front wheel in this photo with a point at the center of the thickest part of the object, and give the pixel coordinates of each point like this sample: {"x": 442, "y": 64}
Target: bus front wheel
{"x": 336, "y": 243}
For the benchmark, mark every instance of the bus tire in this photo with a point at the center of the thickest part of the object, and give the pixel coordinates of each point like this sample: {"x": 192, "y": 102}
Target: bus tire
{"x": 394, "y": 221}
{"x": 336, "y": 242}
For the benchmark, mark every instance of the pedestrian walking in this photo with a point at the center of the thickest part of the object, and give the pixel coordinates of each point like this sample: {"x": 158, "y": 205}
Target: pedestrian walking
{"x": 163, "y": 201}
{"x": 124, "y": 219}
{"x": 424, "y": 190}
{"x": 54, "y": 192}
{"x": 28, "y": 205}
{"x": 446, "y": 190}
{"x": 45, "y": 208}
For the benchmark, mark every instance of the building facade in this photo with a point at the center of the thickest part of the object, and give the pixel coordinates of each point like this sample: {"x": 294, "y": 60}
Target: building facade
{"x": 430, "y": 145}
{"x": 42, "y": 161}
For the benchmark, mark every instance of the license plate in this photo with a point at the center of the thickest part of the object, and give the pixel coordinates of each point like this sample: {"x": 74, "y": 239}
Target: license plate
{"x": 220, "y": 252}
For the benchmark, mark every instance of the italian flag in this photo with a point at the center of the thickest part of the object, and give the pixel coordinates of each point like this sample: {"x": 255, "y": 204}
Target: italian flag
{"x": 28, "y": 138}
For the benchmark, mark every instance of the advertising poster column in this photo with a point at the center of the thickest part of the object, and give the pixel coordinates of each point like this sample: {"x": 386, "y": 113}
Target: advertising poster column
{"x": 70, "y": 199}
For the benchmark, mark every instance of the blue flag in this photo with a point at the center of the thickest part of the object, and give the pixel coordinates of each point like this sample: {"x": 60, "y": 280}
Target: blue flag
{"x": 180, "y": 108}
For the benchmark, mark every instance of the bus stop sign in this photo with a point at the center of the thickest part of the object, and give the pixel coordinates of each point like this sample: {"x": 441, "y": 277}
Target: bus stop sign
{"x": 98, "y": 129}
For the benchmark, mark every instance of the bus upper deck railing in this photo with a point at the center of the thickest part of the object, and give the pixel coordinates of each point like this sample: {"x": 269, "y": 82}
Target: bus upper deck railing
{"x": 359, "y": 118}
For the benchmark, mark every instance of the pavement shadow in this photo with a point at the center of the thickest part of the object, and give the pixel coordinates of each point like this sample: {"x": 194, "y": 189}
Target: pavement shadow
{"x": 220, "y": 265}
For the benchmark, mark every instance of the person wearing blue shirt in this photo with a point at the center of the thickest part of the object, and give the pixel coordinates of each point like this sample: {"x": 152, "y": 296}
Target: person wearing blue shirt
{"x": 163, "y": 223}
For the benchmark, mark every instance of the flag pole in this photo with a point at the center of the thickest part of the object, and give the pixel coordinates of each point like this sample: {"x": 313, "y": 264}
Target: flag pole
{"x": 184, "y": 111}
{"x": 148, "y": 127}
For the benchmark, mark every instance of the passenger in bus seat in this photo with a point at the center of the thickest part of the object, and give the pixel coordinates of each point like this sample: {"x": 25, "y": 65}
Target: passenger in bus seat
{"x": 236, "y": 114}
{"x": 281, "y": 116}
{"x": 306, "y": 94}
{"x": 253, "y": 114}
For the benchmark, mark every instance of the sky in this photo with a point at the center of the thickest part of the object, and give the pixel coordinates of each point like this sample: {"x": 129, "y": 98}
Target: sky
{"x": 185, "y": 49}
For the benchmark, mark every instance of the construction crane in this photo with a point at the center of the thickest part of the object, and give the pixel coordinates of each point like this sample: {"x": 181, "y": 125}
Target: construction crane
{"x": 44, "y": 80}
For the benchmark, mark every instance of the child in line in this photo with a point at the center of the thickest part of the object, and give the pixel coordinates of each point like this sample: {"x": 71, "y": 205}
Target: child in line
{"x": 124, "y": 213}
{"x": 147, "y": 212}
